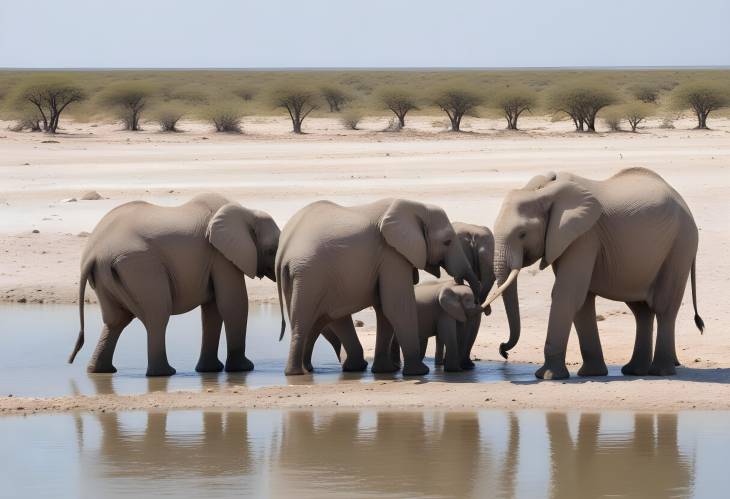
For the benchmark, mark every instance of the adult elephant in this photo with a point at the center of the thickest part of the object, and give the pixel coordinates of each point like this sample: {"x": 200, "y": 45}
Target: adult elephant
{"x": 629, "y": 238}
{"x": 334, "y": 261}
{"x": 150, "y": 262}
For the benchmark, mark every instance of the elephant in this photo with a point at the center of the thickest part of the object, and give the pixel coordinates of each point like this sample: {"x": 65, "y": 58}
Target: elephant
{"x": 334, "y": 261}
{"x": 629, "y": 238}
{"x": 448, "y": 311}
{"x": 150, "y": 262}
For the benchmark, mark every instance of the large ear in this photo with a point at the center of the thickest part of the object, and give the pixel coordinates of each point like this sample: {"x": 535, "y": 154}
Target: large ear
{"x": 451, "y": 303}
{"x": 403, "y": 227}
{"x": 573, "y": 210}
{"x": 230, "y": 232}
{"x": 540, "y": 181}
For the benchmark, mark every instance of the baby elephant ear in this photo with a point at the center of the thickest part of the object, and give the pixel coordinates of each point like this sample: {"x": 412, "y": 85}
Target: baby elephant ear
{"x": 451, "y": 303}
{"x": 403, "y": 229}
{"x": 230, "y": 231}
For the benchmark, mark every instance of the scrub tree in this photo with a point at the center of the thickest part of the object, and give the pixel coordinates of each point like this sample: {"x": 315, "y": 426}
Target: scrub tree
{"x": 457, "y": 103}
{"x": 581, "y": 102}
{"x": 129, "y": 99}
{"x": 400, "y": 101}
{"x": 49, "y": 96}
{"x": 298, "y": 102}
{"x": 512, "y": 102}
{"x": 335, "y": 97}
{"x": 702, "y": 98}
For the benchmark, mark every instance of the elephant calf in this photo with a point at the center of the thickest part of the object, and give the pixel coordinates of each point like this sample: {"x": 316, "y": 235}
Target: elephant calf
{"x": 150, "y": 262}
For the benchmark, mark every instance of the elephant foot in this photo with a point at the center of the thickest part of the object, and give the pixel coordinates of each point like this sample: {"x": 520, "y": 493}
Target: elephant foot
{"x": 238, "y": 364}
{"x": 438, "y": 362}
{"x": 209, "y": 366}
{"x": 467, "y": 365}
{"x": 308, "y": 367}
{"x": 594, "y": 368}
{"x": 294, "y": 371}
{"x": 384, "y": 367}
{"x": 354, "y": 365}
{"x": 662, "y": 370}
{"x": 452, "y": 368}
{"x": 635, "y": 369}
{"x": 100, "y": 369}
{"x": 415, "y": 368}
{"x": 161, "y": 370}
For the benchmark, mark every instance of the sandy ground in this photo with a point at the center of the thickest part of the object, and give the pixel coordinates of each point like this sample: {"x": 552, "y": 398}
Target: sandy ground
{"x": 467, "y": 174}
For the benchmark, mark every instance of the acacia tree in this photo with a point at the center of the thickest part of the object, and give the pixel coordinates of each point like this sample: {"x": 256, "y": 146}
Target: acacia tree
{"x": 702, "y": 98}
{"x": 50, "y": 96}
{"x": 582, "y": 103}
{"x": 335, "y": 97}
{"x": 130, "y": 99}
{"x": 637, "y": 112}
{"x": 457, "y": 103}
{"x": 400, "y": 101}
{"x": 298, "y": 102}
{"x": 513, "y": 102}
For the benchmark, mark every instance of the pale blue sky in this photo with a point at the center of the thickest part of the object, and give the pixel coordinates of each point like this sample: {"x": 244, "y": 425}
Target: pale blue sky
{"x": 365, "y": 33}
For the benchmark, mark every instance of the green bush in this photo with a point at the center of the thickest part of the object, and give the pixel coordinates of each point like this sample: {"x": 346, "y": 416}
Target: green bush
{"x": 335, "y": 98}
{"x": 457, "y": 103}
{"x": 167, "y": 117}
{"x": 702, "y": 98}
{"x": 581, "y": 102}
{"x": 225, "y": 118}
{"x": 612, "y": 117}
{"x": 129, "y": 99}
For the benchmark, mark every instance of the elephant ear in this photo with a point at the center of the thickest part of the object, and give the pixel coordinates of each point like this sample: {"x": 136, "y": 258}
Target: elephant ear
{"x": 540, "y": 181}
{"x": 573, "y": 211}
{"x": 402, "y": 228}
{"x": 451, "y": 303}
{"x": 231, "y": 233}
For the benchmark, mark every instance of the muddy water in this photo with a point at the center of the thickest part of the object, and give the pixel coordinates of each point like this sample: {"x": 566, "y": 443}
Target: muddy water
{"x": 368, "y": 453}
{"x": 35, "y": 341}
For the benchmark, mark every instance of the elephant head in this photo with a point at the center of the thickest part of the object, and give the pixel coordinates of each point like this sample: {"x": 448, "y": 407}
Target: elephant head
{"x": 458, "y": 301}
{"x": 424, "y": 235}
{"x": 537, "y": 222}
{"x": 248, "y": 238}
{"x": 477, "y": 243}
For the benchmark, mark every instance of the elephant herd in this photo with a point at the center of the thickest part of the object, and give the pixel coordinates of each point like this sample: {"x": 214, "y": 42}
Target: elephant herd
{"x": 629, "y": 238}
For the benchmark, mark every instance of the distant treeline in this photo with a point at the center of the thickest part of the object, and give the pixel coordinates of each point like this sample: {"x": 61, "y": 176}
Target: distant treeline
{"x": 36, "y": 100}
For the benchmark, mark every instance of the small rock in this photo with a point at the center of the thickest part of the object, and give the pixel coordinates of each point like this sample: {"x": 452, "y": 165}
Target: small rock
{"x": 600, "y": 318}
{"x": 359, "y": 323}
{"x": 83, "y": 234}
{"x": 69, "y": 200}
{"x": 26, "y": 164}
{"x": 22, "y": 300}
{"x": 49, "y": 142}
{"x": 36, "y": 231}
{"x": 91, "y": 196}
{"x": 698, "y": 359}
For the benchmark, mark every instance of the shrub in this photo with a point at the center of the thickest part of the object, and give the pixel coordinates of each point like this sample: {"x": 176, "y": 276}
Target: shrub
{"x": 581, "y": 102}
{"x": 168, "y": 117}
{"x": 225, "y": 119}
{"x": 351, "y": 119}
{"x": 400, "y": 102}
{"x": 612, "y": 117}
{"x": 637, "y": 112}
{"x": 457, "y": 103}
{"x": 245, "y": 93}
{"x": 298, "y": 102}
{"x": 702, "y": 98}
{"x": 646, "y": 93}
{"x": 130, "y": 99}
{"x": 512, "y": 102}
{"x": 49, "y": 96}
{"x": 335, "y": 97}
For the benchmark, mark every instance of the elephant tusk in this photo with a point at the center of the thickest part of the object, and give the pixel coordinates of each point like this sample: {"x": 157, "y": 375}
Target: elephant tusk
{"x": 511, "y": 277}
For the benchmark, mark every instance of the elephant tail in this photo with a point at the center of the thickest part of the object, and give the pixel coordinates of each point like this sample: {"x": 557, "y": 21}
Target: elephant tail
{"x": 698, "y": 320}
{"x": 281, "y": 303}
{"x": 85, "y": 273}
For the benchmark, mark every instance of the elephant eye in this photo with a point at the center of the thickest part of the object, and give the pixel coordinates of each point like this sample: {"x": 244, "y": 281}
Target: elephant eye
{"x": 523, "y": 235}
{"x": 447, "y": 242}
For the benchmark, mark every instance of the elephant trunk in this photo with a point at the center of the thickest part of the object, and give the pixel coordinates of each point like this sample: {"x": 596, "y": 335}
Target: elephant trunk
{"x": 457, "y": 265}
{"x": 507, "y": 264}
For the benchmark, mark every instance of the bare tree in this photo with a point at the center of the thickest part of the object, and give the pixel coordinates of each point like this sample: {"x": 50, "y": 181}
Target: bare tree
{"x": 50, "y": 96}
{"x": 130, "y": 99}
{"x": 702, "y": 98}
{"x": 225, "y": 118}
{"x": 351, "y": 119}
{"x": 400, "y": 101}
{"x": 581, "y": 102}
{"x": 335, "y": 97}
{"x": 457, "y": 103}
{"x": 513, "y": 102}
{"x": 298, "y": 102}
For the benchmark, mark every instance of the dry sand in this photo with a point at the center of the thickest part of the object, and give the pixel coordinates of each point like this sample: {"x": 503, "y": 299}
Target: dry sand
{"x": 468, "y": 174}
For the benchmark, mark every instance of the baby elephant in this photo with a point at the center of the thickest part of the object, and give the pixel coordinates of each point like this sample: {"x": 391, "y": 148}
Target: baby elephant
{"x": 447, "y": 310}
{"x": 150, "y": 262}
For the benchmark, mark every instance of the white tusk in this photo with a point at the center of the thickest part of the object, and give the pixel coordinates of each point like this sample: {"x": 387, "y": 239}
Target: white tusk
{"x": 511, "y": 277}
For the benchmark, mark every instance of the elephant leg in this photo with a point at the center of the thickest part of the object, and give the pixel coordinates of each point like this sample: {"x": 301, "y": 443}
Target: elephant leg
{"x": 398, "y": 301}
{"x": 333, "y": 340}
{"x": 309, "y": 348}
{"x": 212, "y": 322}
{"x": 395, "y": 351}
{"x": 157, "y": 364}
{"x": 664, "y": 355}
{"x": 231, "y": 299}
{"x": 641, "y": 358}
{"x": 446, "y": 333}
{"x": 303, "y": 319}
{"x": 573, "y": 271}
{"x": 590, "y": 343}
{"x": 383, "y": 361}
{"x": 438, "y": 358}
{"x": 344, "y": 329}
{"x": 471, "y": 329}
{"x": 114, "y": 323}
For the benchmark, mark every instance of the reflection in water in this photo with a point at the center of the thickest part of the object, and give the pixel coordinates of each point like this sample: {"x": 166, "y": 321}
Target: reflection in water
{"x": 386, "y": 453}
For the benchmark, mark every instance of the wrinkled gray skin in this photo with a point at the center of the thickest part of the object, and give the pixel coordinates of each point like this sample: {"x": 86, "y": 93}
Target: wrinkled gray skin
{"x": 629, "y": 238}
{"x": 334, "y": 261}
{"x": 150, "y": 262}
{"x": 447, "y": 310}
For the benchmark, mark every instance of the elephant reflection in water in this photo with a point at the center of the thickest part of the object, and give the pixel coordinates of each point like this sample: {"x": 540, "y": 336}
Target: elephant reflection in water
{"x": 404, "y": 454}
{"x": 220, "y": 448}
{"x": 648, "y": 465}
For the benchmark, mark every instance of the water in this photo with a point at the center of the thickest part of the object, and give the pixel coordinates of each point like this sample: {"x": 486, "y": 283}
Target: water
{"x": 367, "y": 453}
{"x": 35, "y": 341}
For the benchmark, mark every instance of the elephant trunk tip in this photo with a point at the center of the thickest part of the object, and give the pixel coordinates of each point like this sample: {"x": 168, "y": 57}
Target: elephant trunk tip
{"x": 503, "y": 350}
